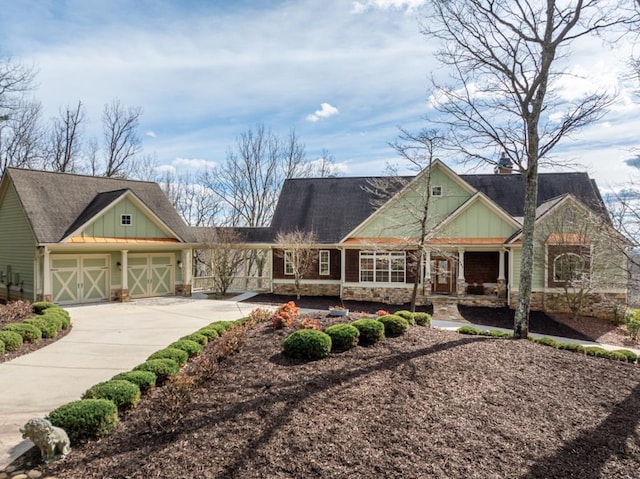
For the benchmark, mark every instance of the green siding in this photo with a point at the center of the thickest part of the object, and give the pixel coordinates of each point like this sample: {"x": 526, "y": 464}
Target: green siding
{"x": 514, "y": 280}
{"x": 108, "y": 224}
{"x": 17, "y": 243}
{"x": 402, "y": 219}
{"x": 478, "y": 221}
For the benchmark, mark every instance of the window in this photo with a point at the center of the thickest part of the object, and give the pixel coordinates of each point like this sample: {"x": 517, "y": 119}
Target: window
{"x": 567, "y": 267}
{"x": 436, "y": 191}
{"x": 324, "y": 262}
{"x": 288, "y": 262}
{"x": 125, "y": 220}
{"x": 382, "y": 267}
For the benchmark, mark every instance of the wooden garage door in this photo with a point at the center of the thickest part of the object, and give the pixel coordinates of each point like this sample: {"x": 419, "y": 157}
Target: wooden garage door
{"x": 150, "y": 275}
{"x": 79, "y": 278}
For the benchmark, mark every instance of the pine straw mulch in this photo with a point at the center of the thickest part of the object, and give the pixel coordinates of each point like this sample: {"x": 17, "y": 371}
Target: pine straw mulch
{"x": 431, "y": 403}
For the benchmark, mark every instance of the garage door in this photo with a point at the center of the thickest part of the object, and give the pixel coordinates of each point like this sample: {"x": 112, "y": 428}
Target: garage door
{"x": 79, "y": 278}
{"x": 150, "y": 275}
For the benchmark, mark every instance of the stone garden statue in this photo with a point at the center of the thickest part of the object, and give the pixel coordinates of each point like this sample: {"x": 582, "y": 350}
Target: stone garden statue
{"x": 52, "y": 441}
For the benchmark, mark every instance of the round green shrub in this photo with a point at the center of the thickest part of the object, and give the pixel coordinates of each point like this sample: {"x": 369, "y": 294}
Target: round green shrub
{"x": 371, "y": 330}
{"x": 616, "y": 356}
{"x": 394, "y": 325}
{"x": 162, "y": 368}
{"x": 307, "y": 344}
{"x": 578, "y": 348}
{"x": 54, "y": 317}
{"x": 48, "y": 327}
{"x": 124, "y": 394}
{"x": 408, "y": 315}
{"x": 62, "y": 317}
{"x": 422, "y": 319}
{"x": 85, "y": 419}
{"x": 191, "y": 347}
{"x": 547, "y": 342}
{"x": 343, "y": 336}
{"x": 630, "y": 355}
{"x": 221, "y": 326}
{"x": 40, "y": 306}
{"x": 209, "y": 332}
{"x": 468, "y": 330}
{"x": 1, "y": 347}
{"x": 199, "y": 338}
{"x": 145, "y": 380}
{"x": 29, "y": 332}
{"x": 178, "y": 355}
{"x": 12, "y": 340}
{"x": 596, "y": 351}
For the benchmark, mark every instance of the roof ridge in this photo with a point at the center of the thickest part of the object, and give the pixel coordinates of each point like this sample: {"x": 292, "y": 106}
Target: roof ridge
{"x": 80, "y": 175}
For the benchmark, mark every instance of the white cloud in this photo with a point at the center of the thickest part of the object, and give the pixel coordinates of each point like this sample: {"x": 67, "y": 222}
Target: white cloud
{"x": 151, "y": 134}
{"x": 326, "y": 110}
{"x": 364, "y": 5}
{"x": 192, "y": 164}
{"x": 162, "y": 169}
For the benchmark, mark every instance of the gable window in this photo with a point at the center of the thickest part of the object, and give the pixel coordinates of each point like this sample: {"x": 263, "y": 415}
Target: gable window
{"x": 436, "y": 190}
{"x": 288, "y": 262}
{"x": 567, "y": 267}
{"x": 382, "y": 267}
{"x": 324, "y": 262}
{"x": 125, "y": 220}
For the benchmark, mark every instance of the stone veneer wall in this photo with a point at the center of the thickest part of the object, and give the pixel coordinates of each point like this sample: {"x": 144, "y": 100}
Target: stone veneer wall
{"x": 183, "y": 290}
{"x": 307, "y": 289}
{"x": 600, "y": 305}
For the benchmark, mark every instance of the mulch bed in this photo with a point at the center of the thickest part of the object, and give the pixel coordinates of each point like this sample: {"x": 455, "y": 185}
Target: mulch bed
{"x": 428, "y": 404}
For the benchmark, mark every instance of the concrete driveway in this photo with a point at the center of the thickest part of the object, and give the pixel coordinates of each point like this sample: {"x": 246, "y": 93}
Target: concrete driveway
{"x": 106, "y": 339}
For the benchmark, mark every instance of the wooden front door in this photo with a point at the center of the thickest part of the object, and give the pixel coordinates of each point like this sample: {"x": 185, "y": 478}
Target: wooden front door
{"x": 441, "y": 275}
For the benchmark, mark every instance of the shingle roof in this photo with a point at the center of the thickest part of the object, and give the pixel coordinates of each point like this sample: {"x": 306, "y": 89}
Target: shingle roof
{"x": 333, "y": 207}
{"x": 58, "y": 203}
{"x": 205, "y": 234}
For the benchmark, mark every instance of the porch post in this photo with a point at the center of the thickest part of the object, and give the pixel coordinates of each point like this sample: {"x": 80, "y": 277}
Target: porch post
{"x": 187, "y": 271}
{"x": 426, "y": 281}
{"x": 343, "y": 269}
{"x": 47, "y": 294}
{"x": 501, "y": 265}
{"x": 124, "y": 277}
{"x": 461, "y": 280}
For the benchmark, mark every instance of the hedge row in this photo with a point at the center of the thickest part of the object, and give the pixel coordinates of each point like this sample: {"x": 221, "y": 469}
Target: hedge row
{"x": 96, "y": 413}
{"x": 50, "y": 319}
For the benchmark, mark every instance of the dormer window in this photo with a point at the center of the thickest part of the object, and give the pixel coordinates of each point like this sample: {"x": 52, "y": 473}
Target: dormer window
{"x": 125, "y": 220}
{"x": 436, "y": 190}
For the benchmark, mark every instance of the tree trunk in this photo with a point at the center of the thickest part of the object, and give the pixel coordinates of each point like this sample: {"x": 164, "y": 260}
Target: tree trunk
{"x": 521, "y": 322}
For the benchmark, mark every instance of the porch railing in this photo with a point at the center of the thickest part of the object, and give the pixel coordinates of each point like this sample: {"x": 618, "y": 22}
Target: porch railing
{"x": 239, "y": 284}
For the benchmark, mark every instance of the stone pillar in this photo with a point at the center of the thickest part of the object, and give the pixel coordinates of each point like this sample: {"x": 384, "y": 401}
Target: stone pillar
{"x": 461, "y": 280}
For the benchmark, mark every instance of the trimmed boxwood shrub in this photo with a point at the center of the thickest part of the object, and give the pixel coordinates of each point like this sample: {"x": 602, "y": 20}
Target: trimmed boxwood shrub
{"x": 12, "y": 340}
{"x": 162, "y": 368}
{"x": 39, "y": 306}
{"x": 209, "y": 332}
{"x": 547, "y": 342}
{"x": 343, "y": 336}
{"x": 145, "y": 380}
{"x": 221, "y": 326}
{"x": 422, "y": 319}
{"x": 61, "y": 316}
{"x": 1, "y": 347}
{"x": 578, "y": 348}
{"x": 85, "y": 419}
{"x": 371, "y": 330}
{"x": 48, "y": 327}
{"x": 630, "y": 355}
{"x": 53, "y": 317}
{"x": 394, "y": 325}
{"x": 191, "y": 347}
{"x": 307, "y": 344}
{"x": 408, "y": 315}
{"x": 199, "y": 338}
{"x": 124, "y": 394}
{"x": 29, "y": 332}
{"x": 468, "y": 330}
{"x": 596, "y": 351}
{"x": 178, "y": 355}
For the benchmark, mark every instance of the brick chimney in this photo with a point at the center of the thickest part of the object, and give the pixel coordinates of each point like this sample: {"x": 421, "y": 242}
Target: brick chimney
{"x": 504, "y": 166}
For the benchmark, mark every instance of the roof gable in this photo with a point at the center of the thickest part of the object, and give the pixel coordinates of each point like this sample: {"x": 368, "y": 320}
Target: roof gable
{"x": 56, "y": 204}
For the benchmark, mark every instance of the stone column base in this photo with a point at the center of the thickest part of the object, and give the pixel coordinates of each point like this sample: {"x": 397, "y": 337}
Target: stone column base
{"x": 183, "y": 290}
{"x": 120, "y": 295}
{"x": 460, "y": 287}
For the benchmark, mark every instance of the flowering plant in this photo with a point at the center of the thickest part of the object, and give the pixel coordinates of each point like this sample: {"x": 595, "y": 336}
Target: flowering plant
{"x": 285, "y": 315}
{"x": 382, "y": 312}
{"x": 308, "y": 323}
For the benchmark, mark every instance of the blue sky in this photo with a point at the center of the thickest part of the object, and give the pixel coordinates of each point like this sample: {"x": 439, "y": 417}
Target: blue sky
{"x": 345, "y": 74}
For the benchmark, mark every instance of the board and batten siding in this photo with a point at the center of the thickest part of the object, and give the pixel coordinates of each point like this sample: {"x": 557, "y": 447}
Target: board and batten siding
{"x": 17, "y": 245}
{"x": 108, "y": 224}
{"x": 478, "y": 221}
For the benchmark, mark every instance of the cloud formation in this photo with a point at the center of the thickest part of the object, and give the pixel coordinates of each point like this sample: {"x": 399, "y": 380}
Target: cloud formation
{"x": 326, "y": 110}
{"x": 362, "y": 6}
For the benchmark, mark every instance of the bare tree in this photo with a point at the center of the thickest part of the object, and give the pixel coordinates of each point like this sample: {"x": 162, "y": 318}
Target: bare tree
{"x": 195, "y": 203}
{"x": 505, "y": 57}
{"x": 65, "y": 140}
{"x": 222, "y": 257}
{"x": 15, "y": 81}
{"x": 298, "y": 249}
{"x": 21, "y": 136}
{"x": 121, "y": 138}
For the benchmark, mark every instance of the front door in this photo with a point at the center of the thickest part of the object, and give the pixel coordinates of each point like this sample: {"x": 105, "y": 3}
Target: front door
{"x": 441, "y": 275}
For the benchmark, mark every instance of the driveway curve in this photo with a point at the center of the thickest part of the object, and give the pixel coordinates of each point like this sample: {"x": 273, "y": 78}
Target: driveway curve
{"x": 106, "y": 339}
